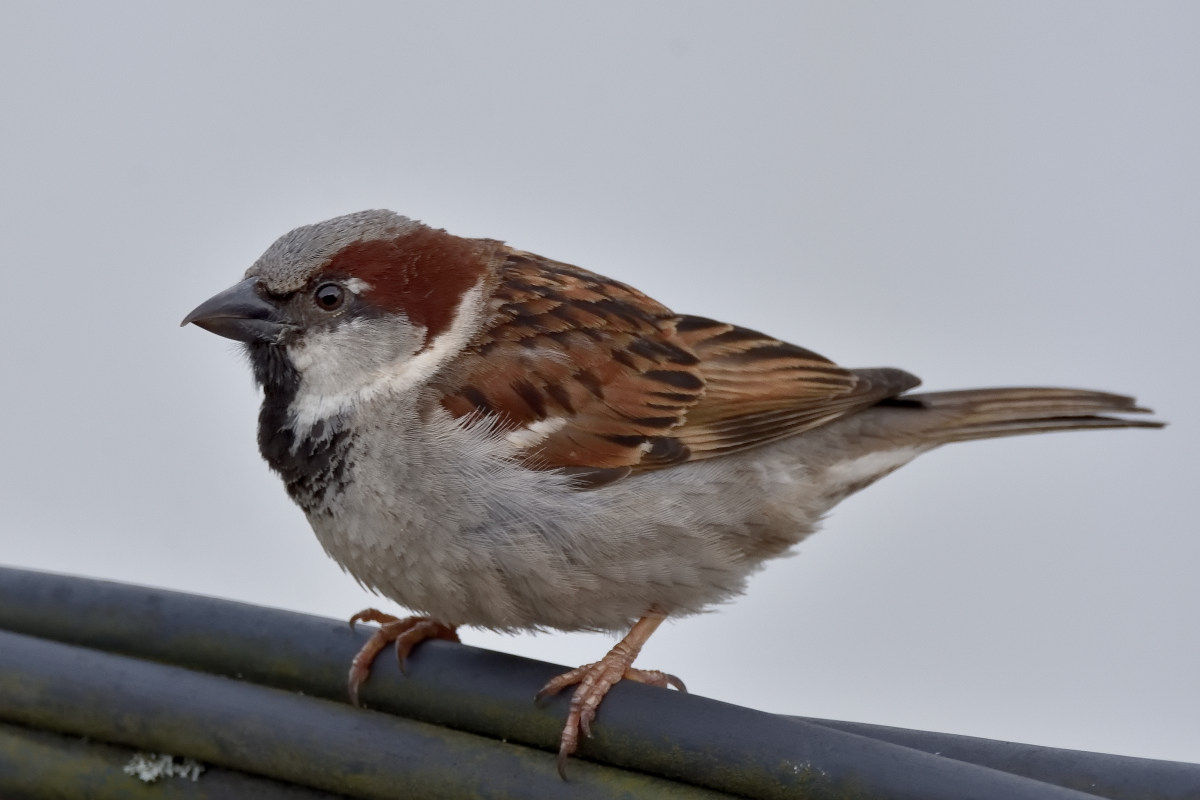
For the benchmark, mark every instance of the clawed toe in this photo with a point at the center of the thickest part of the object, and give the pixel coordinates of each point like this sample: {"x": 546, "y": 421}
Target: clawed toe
{"x": 593, "y": 681}
{"x": 406, "y": 633}
{"x": 655, "y": 677}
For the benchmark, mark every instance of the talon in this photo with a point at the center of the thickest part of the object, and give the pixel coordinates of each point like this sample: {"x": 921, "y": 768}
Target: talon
{"x": 557, "y": 684}
{"x": 594, "y": 682}
{"x": 655, "y": 677}
{"x": 406, "y": 633}
{"x": 585, "y": 722}
{"x": 371, "y": 615}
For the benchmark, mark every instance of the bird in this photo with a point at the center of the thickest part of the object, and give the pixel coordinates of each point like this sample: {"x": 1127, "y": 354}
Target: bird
{"x": 495, "y": 439}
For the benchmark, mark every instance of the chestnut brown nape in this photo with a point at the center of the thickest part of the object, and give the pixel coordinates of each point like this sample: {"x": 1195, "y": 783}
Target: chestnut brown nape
{"x": 423, "y": 274}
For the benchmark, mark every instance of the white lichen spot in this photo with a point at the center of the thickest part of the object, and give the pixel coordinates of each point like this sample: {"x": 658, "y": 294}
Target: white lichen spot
{"x": 150, "y": 767}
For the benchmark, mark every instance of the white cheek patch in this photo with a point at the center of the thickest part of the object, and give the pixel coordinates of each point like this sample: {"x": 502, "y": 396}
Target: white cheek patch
{"x": 360, "y": 360}
{"x": 339, "y": 365}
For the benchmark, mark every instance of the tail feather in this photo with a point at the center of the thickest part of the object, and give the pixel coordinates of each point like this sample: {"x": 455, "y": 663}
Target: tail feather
{"x": 989, "y": 413}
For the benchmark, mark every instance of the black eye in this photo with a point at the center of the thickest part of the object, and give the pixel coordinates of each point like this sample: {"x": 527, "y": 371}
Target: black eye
{"x": 329, "y": 296}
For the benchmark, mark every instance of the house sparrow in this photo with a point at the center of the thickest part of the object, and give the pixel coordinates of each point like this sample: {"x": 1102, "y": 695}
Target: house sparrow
{"x": 495, "y": 439}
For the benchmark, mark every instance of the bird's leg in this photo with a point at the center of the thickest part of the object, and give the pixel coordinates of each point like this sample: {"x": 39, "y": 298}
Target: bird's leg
{"x": 407, "y": 633}
{"x": 597, "y": 678}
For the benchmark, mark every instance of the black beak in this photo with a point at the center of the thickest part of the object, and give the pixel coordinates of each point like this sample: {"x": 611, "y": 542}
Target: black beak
{"x": 240, "y": 313}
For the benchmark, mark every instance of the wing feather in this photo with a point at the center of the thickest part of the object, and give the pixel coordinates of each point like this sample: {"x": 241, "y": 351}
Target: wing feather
{"x": 600, "y": 380}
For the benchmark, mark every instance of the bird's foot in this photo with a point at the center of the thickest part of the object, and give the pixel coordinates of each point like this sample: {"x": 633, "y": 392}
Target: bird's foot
{"x": 406, "y": 632}
{"x": 596, "y": 679}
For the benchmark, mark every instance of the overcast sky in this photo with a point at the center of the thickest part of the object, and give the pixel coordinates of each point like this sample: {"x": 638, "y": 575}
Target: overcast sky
{"x": 980, "y": 193}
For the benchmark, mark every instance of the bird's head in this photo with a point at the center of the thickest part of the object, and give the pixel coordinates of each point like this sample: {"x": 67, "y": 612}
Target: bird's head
{"x": 354, "y": 302}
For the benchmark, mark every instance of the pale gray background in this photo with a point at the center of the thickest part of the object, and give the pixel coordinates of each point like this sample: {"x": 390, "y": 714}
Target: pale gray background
{"x": 987, "y": 193}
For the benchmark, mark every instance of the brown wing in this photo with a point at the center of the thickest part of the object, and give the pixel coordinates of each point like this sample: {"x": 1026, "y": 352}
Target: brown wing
{"x": 759, "y": 389}
{"x": 590, "y": 359}
{"x": 592, "y": 375}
